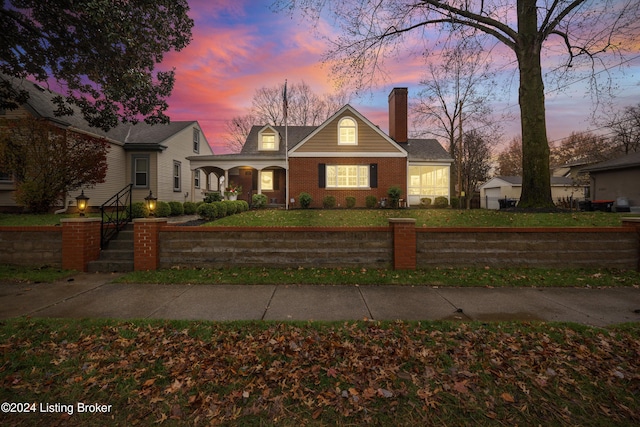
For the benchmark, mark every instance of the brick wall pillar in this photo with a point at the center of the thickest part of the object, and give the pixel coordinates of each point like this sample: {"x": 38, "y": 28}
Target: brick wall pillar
{"x": 635, "y": 223}
{"x": 146, "y": 243}
{"x": 80, "y": 242}
{"x": 404, "y": 243}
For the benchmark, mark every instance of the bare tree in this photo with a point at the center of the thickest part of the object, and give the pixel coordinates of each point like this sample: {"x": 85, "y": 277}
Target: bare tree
{"x": 305, "y": 108}
{"x": 595, "y": 30}
{"x": 583, "y": 147}
{"x": 456, "y": 89}
{"x": 237, "y": 130}
{"x": 476, "y": 155}
{"x": 510, "y": 159}
{"x": 625, "y": 126}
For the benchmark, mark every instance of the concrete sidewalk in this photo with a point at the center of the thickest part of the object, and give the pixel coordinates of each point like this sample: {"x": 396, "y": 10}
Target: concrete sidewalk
{"x": 94, "y": 295}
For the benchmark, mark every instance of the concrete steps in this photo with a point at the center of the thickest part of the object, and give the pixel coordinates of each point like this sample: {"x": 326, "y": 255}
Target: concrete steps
{"x": 117, "y": 257}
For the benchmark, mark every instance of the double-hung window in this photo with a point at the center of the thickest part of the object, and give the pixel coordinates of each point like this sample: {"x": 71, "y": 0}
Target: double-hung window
{"x": 177, "y": 180}
{"x": 196, "y": 140}
{"x": 196, "y": 178}
{"x": 140, "y": 171}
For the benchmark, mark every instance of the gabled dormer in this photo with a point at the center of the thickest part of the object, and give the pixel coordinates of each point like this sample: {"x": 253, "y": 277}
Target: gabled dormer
{"x": 268, "y": 139}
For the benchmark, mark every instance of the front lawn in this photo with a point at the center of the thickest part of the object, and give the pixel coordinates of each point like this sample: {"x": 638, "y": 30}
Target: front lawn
{"x": 292, "y": 374}
{"x": 423, "y": 217}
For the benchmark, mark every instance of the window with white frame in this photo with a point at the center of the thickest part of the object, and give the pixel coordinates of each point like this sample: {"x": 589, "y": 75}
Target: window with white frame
{"x": 266, "y": 181}
{"x": 196, "y": 178}
{"x": 196, "y": 140}
{"x": 268, "y": 141}
{"x": 347, "y": 132}
{"x": 140, "y": 171}
{"x": 347, "y": 176}
{"x": 177, "y": 179}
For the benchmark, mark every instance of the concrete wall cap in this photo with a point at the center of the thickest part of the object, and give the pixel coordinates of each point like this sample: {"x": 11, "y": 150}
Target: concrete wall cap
{"x": 80, "y": 219}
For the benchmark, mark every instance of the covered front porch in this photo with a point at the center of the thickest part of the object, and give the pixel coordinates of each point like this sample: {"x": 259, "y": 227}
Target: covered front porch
{"x": 255, "y": 175}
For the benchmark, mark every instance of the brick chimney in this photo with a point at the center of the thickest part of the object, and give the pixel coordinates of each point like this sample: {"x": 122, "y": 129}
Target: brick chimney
{"x": 398, "y": 111}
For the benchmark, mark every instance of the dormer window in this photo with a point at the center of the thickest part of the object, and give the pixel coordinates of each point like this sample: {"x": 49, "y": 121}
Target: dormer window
{"x": 347, "y": 132}
{"x": 268, "y": 140}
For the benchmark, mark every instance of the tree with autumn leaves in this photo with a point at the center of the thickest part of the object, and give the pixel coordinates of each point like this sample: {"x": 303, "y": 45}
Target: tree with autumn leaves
{"x": 47, "y": 161}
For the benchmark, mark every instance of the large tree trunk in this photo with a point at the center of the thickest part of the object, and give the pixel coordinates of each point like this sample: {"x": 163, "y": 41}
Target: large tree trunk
{"x": 536, "y": 176}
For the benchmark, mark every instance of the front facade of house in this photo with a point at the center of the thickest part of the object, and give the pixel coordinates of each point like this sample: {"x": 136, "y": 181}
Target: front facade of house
{"x": 152, "y": 158}
{"x": 345, "y": 157}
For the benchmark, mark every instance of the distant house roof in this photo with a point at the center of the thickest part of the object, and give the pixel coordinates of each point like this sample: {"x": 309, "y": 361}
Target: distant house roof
{"x": 140, "y": 135}
{"x": 629, "y": 161}
{"x": 516, "y": 181}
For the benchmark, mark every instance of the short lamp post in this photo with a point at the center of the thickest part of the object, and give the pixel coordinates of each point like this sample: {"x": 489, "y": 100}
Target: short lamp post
{"x": 151, "y": 203}
{"x": 82, "y": 201}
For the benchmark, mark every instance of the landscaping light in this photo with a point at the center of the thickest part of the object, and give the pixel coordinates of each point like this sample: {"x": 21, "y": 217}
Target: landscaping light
{"x": 151, "y": 202}
{"x": 82, "y": 201}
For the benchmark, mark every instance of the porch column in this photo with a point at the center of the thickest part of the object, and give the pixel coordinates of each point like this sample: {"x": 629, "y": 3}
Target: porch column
{"x": 259, "y": 181}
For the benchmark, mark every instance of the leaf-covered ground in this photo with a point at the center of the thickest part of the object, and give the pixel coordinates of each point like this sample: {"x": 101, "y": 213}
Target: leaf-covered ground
{"x": 356, "y": 373}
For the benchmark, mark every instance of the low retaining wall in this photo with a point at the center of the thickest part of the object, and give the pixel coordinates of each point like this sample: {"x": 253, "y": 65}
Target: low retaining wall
{"x": 214, "y": 247}
{"x": 614, "y": 247}
{"x": 31, "y": 246}
{"x": 401, "y": 246}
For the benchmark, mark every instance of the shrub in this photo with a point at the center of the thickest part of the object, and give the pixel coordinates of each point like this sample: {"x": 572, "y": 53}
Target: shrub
{"x": 259, "y": 201}
{"x": 305, "y": 200}
{"x": 371, "y": 201}
{"x": 213, "y": 197}
{"x": 221, "y": 209}
{"x": 163, "y": 209}
{"x": 394, "y": 194}
{"x": 242, "y": 206}
{"x": 189, "y": 208}
{"x": 176, "y": 208}
{"x": 425, "y": 202}
{"x": 329, "y": 202}
{"x": 139, "y": 210}
{"x": 207, "y": 211}
{"x": 455, "y": 202}
{"x": 441, "y": 202}
{"x": 351, "y": 202}
{"x": 231, "y": 206}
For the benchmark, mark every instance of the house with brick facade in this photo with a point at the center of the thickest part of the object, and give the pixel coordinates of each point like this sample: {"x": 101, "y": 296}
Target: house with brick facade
{"x": 346, "y": 156}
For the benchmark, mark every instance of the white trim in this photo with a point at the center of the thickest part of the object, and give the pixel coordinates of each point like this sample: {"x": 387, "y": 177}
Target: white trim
{"x": 330, "y": 154}
{"x": 276, "y": 140}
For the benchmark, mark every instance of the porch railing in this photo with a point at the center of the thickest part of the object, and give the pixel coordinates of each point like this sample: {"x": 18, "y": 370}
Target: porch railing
{"x": 116, "y": 214}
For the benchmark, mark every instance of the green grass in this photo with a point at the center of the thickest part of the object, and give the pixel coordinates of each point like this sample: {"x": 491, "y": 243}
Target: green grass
{"x": 378, "y": 218}
{"x": 423, "y": 217}
{"x": 504, "y": 277}
{"x": 46, "y": 274}
{"x": 351, "y": 373}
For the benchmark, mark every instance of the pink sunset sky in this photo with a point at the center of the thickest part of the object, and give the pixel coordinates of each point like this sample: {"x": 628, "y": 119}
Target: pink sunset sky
{"x": 240, "y": 46}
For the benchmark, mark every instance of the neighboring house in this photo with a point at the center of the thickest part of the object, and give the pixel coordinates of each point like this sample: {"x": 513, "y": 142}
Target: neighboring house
{"x": 510, "y": 188}
{"x": 617, "y": 179}
{"x": 346, "y": 156}
{"x": 153, "y": 158}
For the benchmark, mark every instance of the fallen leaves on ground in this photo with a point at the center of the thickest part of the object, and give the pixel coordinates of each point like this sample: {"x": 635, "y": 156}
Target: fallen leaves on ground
{"x": 323, "y": 374}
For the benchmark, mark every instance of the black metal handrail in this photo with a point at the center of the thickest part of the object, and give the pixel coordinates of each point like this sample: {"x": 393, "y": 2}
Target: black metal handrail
{"x": 116, "y": 214}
